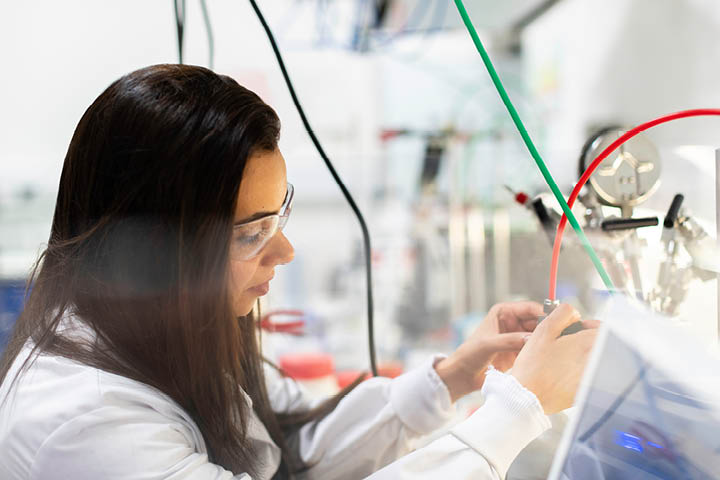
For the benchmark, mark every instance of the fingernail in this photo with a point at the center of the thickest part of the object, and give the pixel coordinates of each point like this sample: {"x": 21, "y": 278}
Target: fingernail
{"x": 526, "y": 338}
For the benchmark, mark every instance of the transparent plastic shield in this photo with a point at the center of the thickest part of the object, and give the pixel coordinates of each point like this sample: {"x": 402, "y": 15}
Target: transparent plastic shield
{"x": 649, "y": 405}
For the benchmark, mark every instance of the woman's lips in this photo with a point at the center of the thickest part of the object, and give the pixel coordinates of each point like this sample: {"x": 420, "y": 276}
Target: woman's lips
{"x": 260, "y": 290}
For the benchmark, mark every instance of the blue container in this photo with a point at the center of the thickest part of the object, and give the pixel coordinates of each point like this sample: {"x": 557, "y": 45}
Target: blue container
{"x": 12, "y": 296}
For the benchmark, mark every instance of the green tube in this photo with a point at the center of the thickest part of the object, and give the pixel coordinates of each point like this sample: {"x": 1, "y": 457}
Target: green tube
{"x": 531, "y": 147}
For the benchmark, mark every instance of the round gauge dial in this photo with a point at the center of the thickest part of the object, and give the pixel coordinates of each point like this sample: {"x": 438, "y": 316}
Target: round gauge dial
{"x": 629, "y": 175}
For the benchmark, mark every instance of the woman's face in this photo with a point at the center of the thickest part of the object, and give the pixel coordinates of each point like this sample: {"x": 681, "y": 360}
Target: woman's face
{"x": 262, "y": 190}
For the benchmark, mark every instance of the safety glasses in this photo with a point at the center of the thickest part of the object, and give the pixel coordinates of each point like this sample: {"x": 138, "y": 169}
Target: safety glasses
{"x": 250, "y": 238}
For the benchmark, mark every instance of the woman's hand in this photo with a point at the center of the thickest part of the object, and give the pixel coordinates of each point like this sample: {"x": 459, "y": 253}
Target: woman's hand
{"x": 551, "y": 366}
{"x": 496, "y": 342}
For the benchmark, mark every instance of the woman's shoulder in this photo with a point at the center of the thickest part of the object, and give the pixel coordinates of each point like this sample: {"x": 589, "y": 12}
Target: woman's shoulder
{"x": 61, "y": 387}
{"x": 61, "y": 384}
{"x": 55, "y": 394}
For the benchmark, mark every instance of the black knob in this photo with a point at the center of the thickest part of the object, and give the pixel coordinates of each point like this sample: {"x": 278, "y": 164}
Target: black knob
{"x": 673, "y": 211}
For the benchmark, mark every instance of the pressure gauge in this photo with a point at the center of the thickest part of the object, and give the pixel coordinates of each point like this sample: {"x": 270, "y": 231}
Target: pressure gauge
{"x": 629, "y": 175}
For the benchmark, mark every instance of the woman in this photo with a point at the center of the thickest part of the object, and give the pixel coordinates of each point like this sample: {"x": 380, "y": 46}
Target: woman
{"x": 137, "y": 355}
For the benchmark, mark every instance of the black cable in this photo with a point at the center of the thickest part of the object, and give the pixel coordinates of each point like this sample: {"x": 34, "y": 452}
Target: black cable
{"x": 180, "y": 25}
{"x": 336, "y": 177}
{"x": 210, "y": 39}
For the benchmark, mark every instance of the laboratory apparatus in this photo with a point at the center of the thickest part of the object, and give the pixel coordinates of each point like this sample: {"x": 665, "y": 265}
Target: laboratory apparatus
{"x": 641, "y": 413}
{"x": 621, "y": 184}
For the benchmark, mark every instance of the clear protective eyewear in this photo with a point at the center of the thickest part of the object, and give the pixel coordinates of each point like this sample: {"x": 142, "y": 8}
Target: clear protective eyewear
{"x": 251, "y": 237}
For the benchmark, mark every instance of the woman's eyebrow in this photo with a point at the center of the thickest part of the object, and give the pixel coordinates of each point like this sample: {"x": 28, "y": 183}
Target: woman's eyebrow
{"x": 259, "y": 215}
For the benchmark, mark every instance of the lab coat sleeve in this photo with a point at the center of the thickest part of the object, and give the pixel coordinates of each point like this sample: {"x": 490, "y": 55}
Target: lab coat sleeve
{"x": 124, "y": 442}
{"x": 483, "y": 446}
{"x": 377, "y": 423}
{"x": 372, "y": 426}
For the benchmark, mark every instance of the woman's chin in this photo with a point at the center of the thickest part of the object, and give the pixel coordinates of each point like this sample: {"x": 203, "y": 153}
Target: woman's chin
{"x": 244, "y": 308}
{"x": 249, "y": 297}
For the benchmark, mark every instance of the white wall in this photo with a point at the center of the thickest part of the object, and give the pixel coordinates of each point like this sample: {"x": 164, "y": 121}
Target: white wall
{"x": 594, "y": 63}
{"x": 586, "y": 62}
{"x": 59, "y": 56}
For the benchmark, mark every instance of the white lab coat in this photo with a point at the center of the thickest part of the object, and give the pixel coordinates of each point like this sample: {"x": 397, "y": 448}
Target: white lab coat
{"x": 64, "y": 420}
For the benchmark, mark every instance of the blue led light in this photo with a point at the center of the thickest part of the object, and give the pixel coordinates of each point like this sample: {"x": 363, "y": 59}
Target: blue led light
{"x": 651, "y": 444}
{"x": 631, "y": 442}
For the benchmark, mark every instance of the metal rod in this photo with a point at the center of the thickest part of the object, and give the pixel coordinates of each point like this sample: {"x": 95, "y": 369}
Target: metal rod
{"x": 717, "y": 228}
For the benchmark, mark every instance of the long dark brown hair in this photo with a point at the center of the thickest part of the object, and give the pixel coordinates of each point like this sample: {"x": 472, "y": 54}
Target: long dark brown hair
{"x": 139, "y": 251}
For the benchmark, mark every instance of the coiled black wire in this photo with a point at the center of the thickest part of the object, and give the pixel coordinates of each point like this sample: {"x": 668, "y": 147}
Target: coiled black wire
{"x": 336, "y": 177}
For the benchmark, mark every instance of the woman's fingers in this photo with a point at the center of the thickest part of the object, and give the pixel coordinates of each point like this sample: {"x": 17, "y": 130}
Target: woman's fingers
{"x": 561, "y": 318}
{"x": 586, "y": 338}
{"x": 591, "y": 323}
{"x": 506, "y": 342}
{"x": 517, "y": 316}
{"x": 529, "y": 325}
{"x": 523, "y": 310}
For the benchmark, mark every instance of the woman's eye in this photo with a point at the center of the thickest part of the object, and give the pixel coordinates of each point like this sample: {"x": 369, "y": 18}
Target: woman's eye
{"x": 252, "y": 236}
{"x": 248, "y": 240}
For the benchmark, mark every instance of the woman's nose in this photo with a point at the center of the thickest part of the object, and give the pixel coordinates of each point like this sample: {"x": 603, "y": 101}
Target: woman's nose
{"x": 280, "y": 251}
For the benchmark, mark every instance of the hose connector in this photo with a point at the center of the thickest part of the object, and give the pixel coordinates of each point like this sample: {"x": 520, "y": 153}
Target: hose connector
{"x": 549, "y": 306}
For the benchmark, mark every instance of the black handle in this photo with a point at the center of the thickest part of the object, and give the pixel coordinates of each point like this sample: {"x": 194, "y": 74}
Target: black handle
{"x": 546, "y": 221}
{"x": 614, "y": 224}
{"x": 673, "y": 211}
{"x": 542, "y": 214}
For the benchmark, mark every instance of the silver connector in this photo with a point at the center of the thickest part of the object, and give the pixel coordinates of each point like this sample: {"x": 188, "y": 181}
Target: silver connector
{"x": 549, "y": 306}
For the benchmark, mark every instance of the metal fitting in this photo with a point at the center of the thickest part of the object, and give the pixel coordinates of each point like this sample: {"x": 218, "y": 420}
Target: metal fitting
{"x": 549, "y": 306}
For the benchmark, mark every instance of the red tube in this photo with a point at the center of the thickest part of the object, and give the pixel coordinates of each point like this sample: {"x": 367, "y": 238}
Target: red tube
{"x": 596, "y": 163}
